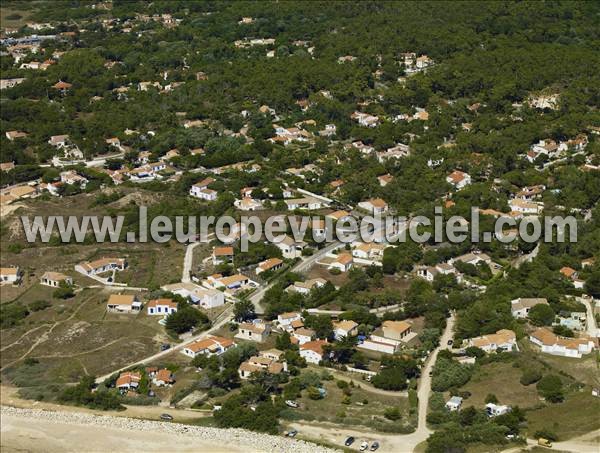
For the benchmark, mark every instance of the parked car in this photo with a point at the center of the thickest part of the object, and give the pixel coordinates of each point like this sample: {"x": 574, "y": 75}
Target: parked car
{"x": 364, "y": 445}
{"x": 166, "y": 417}
{"x": 349, "y": 441}
{"x": 291, "y": 433}
{"x": 374, "y": 446}
{"x": 291, "y": 403}
{"x": 165, "y": 346}
{"x": 544, "y": 442}
{"x": 450, "y": 342}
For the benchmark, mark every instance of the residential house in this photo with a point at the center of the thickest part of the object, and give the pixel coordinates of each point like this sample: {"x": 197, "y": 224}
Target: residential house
{"x": 71, "y": 177}
{"x": 494, "y": 410}
{"x": 397, "y": 152}
{"x": 163, "y": 307}
{"x": 59, "y": 141}
{"x": 339, "y": 216}
{"x": 302, "y": 335}
{"x": 201, "y": 190}
{"x": 123, "y": 303}
{"x": 307, "y": 286}
{"x": 101, "y": 265}
{"x": 551, "y": 343}
{"x": 254, "y": 331}
{"x": 384, "y": 180}
{"x": 204, "y": 297}
{"x": 55, "y": 279}
{"x": 212, "y": 345}
{"x": 343, "y": 262}
{"x": 374, "y": 206}
{"x": 163, "y": 377}
{"x": 262, "y": 363}
{"x": 284, "y": 320}
{"x": 343, "y": 329}
{"x": 13, "y": 135}
{"x": 309, "y": 203}
{"x": 368, "y": 251}
{"x": 525, "y": 207}
{"x": 312, "y": 351}
{"x": 504, "y": 340}
{"x": 454, "y": 403}
{"x": 272, "y": 264}
{"x": 128, "y": 380}
{"x": 520, "y": 307}
{"x": 10, "y": 275}
{"x": 364, "y": 119}
{"x": 290, "y": 248}
{"x": 459, "y": 179}
{"x": 232, "y": 282}
{"x": 248, "y": 204}
{"x": 222, "y": 255}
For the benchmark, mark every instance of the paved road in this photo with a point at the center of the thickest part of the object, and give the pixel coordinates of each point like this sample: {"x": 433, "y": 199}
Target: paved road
{"x": 592, "y": 327}
{"x": 302, "y": 266}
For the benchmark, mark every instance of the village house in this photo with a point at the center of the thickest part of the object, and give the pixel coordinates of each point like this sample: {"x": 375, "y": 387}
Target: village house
{"x": 343, "y": 262}
{"x": 13, "y": 135}
{"x": 520, "y": 206}
{"x": 454, "y": 403}
{"x": 384, "y": 180}
{"x": 71, "y": 177}
{"x": 10, "y": 275}
{"x": 163, "y": 378}
{"x": 123, "y": 303}
{"x": 204, "y": 297}
{"x": 161, "y": 307}
{"x": 495, "y": 410}
{"x": 222, "y": 255}
{"x": 59, "y": 141}
{"x": 262, "y": 363}
{"x": 285, "y": 320}
{"x": 312, "y": 351}
{"x": 551, "y": 343}
{"x": 520, "y": 307}
{"x": 101, "y": 265}
{"x": 310, "y": 203}
{"x": 254, "y": 331}
{"x": 338, "y": 216}
{"x": 272, "y": 264}
{"x": 343, "y": 329}
{"x": 368, "y": 251}
{"x": 530, "y": 193}
{"x": 504, "y": 340}
{"x": 290, "y": 248}
{"x": 429, "y": 272}
{"x": 7, "y": 166}
{"x": 232, "y": 282}
{"x": 397, "y": 152}
{"x": 201, "y": 190}
{"x": 307, "y": 286}
{"x": 212, "y": 345}
{"x": 302, "y": 335}
{"x": 459, "y": 179}
{"x": 472, "y": 258}
{"x": 128, "y": 380}
{"x": 364, "y": 119}
{"x": 55, "y": 279}
{"x": 374, "y": 206}
{"x": 248, "y": 204}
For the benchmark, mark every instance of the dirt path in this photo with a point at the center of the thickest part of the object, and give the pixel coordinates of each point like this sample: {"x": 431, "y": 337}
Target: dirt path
{"x": 18, "y": 340}
{"x": 46, "y": 334}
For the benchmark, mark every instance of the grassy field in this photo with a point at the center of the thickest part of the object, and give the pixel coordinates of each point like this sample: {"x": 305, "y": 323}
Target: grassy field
{"x": 571, "y": 418}
{"x": 501, "y": 379}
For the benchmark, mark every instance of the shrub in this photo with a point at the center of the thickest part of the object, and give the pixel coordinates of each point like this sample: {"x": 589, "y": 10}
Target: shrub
{"x": 39, "y": 305}
{"x": 551, "y": 388}
{"x": 546, "y": 434}
{"x": 392, "y": 413}
{"x": 530, "y": 376}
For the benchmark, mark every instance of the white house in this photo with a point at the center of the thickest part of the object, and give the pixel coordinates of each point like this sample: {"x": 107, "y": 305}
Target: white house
{"x": 59, "y": 141}
{"x": 312, "y": 351}
{"x": 123, "y": 303}
{"x": 520, "y": 307}
{"x": 9, "y": 275}
{"x": 454, "y": 403}
{"x": 101, "y": 265}
{"x": 459, "y": 179}
{"x": 222, "y": 255}
{"x": 212, "y": 345}
{"x": 201, "y": 190}
{"x": 374, "y": 206}
{"x": 290, "y": 248}
{"x": 161, "y": 307}
{"x": 504, "y": 339}
{"x": 310, "y": 203}
{"x": 303, "y": 335}
{"x": 254, "y": 331}
{"x": 307, "y": 286}
{"x": 525, "y": 207}
{"x": 379, "y": 345}
{"x": 343, "y": 329}
{"x": 555, "y": 345}
{"x": 272, "y": 264}
{"x": 285, "y": 320}
{"x": 343, "y": 262}
{"x": 494, "y": 410}
{"x": 54, "y": 279}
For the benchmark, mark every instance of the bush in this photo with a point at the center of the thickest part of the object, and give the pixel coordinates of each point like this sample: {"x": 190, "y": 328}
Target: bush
{"x": 530, "y": 376}
{"x": 392, "y": 413}
{"x": 491, "y": 398}
{"x": 551, "y": 388}
{"x": 546, "y": 434}
{"x": 39, "y": 305}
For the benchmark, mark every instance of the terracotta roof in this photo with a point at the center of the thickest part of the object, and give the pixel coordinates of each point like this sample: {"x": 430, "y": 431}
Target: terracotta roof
{"x": 127, "y": 378}
{"x": 397, "y": 326}
{"x": 9, "y": 270}
{"x": 457, "y": 176}
{"x": 344, "y": 258}
{"x": 223, "y": 251}
{"x": 567, "y": 271}
{"x": 378, "y": 202}
{"x": 347, "y": 325}
{"x": 121, "y": 299}
{"x": 305, "y": 332}
{"x": 288, "y": 315}
{"x": 297, "y": 324}
{"x": 209, "y": 343}
{"x": 500, "y": 337}
{"x": 315, "y": 346}
{"x": 162, "y": 302}
{"x": 54, "y": 276}
{"x": 164, "y": 375}
{"x": 60, "y": 85}
{"x": 270, "y": 263}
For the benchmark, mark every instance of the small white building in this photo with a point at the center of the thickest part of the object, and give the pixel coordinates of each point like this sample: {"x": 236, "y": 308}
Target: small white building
{"x": 312, "y": 351}
{"x": 212, "y": 345}
{"x": 494, "y": 410}
{"x": 454, "y": 403}
{"x": 459, "y": 179}
{"x": 303, "y": 335}
{"x": 162, "y": 307}
{"x": 290, "y": 248}
{"x": 520, "y": 307}
{"x": 54, "y": 279}
{"x": 343, "y": 329}
{"x": 9, "y": 275}
{"x": 285, "y": 320}
{"x": 254, "y": 331}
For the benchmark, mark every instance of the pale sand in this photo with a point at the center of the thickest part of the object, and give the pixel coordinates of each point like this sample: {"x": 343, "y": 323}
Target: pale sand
{"x": 27, "y": 434}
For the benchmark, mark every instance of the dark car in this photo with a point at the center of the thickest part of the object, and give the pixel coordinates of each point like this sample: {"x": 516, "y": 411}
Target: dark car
{"x": 165, "y": 346}
{"x": 166, "y": 417}
{"x": 349, "y": 441}
{"x": 374, "y": 446}
{"x": 450, "y": 342}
